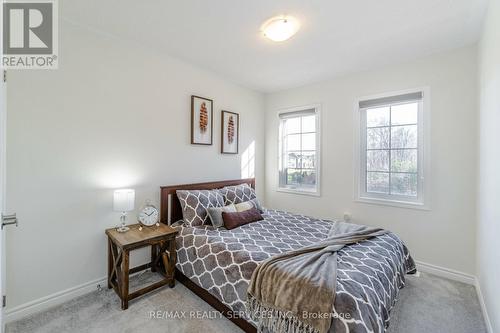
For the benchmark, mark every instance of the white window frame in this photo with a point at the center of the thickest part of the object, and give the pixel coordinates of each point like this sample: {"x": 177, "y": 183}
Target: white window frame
{"x": 317, "y": 109}
{"x": 424, "y": 178}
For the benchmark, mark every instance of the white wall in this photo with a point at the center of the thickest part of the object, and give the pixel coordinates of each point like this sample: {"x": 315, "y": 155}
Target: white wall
{"x": 119, "y": 117}
{"x": 113, "y": 115}
{"x": 443, "y": 236}
{"x": 488, "y": 230}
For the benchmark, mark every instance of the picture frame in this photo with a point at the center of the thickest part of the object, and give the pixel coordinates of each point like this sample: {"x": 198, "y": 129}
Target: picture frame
{"x": 201, "y": 120}
{"x": 230, "y": 132}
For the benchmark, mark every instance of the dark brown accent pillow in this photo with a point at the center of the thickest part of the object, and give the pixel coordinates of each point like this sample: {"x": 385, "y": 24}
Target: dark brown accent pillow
{"x": 234, "y": 220}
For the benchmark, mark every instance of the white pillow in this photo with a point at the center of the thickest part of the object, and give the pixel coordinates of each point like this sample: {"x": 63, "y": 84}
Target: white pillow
{"x": 242, "y": 206}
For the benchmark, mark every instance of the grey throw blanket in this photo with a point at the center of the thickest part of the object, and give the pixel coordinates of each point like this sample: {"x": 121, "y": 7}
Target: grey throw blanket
{"x": 295, "y": 291}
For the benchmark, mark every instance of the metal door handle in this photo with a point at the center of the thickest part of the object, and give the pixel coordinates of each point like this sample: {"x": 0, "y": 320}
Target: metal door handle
{"x": 9, "y": 220}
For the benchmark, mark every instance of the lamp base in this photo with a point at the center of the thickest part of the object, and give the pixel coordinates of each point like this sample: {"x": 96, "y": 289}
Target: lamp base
{"x": 123, "y": 220}
{"x": 123, "y": 229}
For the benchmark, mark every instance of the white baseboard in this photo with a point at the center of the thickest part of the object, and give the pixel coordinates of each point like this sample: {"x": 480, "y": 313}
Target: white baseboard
{"x": 446, "y": 273}
{"x": 49, "y": 301}
{"x": 461, "y": 277}
{"x": 487, "y": 321}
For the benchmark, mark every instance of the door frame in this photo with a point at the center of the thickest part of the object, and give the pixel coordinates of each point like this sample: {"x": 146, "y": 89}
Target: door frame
{"x": 3, "y": 149}
{"x": 3, "y": 153}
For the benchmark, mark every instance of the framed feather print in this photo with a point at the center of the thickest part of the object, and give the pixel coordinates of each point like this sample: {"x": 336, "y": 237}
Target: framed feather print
{"x": 230, "y": 131}
{"x": 201, "y": 120}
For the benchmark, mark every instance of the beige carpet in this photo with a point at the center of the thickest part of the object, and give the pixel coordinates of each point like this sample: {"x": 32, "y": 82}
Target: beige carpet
{"x": 427, "y": 304}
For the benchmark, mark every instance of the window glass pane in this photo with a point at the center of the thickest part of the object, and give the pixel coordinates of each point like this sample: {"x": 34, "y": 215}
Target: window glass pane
{"x": 293, "y": 160}
{"x": 377, "y": 138}
{"x": 404, "y": 160}
{"x": 309, "y": 141}
{"x": 377, "y": 182}
{"x": 298, "y": 153}
{"x": 404, "y": 137}
{"x": 293, "y": 176}
{"x": 377, "y": 117}
{"x": 404, "y": 184}
{"x": 377, "y": 160}
{"x": 292, "y": 142}
{"x": 308, "y": 160}
{"x": 404, "y": 114}
{"x": 309, "y": 124}
{"x": 291, "y": 126}
{"x": 308, "y": 180}
{"x": 391, "y": 150}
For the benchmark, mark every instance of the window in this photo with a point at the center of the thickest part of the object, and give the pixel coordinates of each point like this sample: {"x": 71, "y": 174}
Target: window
{"x": 299, "y": 150}
{"x": 392, "y": 150}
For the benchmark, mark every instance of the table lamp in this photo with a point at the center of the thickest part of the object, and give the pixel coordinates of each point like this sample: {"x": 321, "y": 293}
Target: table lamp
{"x": 123, "y": 201}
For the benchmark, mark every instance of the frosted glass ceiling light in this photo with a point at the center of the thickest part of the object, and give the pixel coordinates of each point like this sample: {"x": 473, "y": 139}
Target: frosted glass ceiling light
{"x": 280, "y": 28}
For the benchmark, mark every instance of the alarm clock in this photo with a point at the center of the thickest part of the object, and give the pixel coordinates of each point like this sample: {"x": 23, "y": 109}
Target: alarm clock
{"x": 148, "y": 216}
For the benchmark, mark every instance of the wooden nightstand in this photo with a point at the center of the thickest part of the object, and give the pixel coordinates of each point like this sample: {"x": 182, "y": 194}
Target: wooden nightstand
{"x": 162, "y": 241}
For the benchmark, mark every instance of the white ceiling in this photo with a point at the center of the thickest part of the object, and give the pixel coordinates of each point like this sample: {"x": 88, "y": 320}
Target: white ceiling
{"x": 337, "y": 36}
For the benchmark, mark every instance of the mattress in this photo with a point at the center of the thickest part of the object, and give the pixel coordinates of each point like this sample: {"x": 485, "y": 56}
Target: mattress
{"x": 369, "y": 273}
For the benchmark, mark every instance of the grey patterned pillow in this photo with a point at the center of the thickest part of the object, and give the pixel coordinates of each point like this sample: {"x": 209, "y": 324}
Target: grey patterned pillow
{"x": 215, "y": 214}
{"x": 237, "y": 194}
{"x": 194, "y": 205}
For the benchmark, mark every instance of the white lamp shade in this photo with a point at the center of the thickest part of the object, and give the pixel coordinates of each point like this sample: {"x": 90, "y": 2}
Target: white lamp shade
{"x": 123, "y": 200}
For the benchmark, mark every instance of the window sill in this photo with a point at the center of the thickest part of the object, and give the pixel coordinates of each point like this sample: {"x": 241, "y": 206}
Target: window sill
{"x": 299, "y": 192}
{"x": 393, "y": 203}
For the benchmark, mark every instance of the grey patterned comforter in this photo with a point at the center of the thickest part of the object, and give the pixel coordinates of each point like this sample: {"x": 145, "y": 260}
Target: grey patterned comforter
{"x": 369, "y": 273}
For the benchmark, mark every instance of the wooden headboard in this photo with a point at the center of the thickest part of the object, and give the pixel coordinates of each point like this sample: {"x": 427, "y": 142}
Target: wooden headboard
{"x": 170, "y": 203}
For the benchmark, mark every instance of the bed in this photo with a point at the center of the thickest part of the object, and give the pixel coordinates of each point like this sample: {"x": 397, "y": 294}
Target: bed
{"x": 217, "y": 264}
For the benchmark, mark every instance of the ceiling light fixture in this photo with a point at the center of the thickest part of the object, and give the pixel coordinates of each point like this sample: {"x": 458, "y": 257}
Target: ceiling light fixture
{"x": 280, "y": 28}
